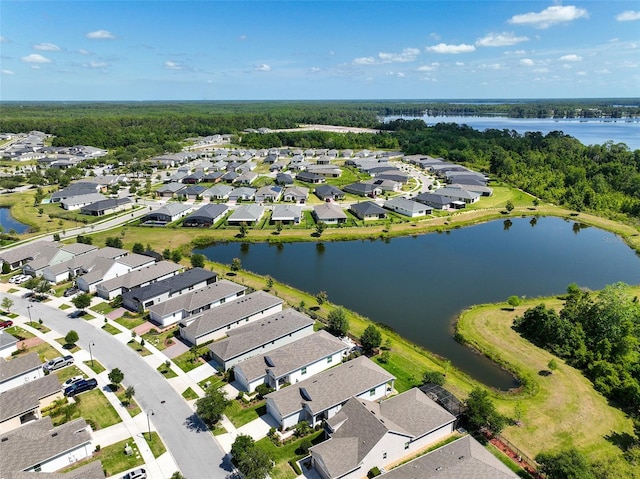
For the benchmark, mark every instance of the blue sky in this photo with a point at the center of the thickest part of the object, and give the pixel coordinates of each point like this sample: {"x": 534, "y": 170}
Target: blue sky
{"x": 262, "y": 50}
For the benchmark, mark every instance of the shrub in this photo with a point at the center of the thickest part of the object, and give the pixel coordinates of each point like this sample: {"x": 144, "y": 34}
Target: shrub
{"x": 295, "y": 467}
{"x": 434, "y": 377}
{"x": 373, "y": 472}
{"x": 263, "y": 390}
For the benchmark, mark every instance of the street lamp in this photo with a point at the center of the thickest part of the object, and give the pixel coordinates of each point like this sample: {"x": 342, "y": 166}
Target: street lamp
{"x": 29, "y": 306}
{"x": 149, "y": 413}
{"x": 91, "y": 343}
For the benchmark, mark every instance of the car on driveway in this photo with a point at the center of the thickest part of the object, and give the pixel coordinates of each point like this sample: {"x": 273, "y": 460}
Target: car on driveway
{"x": 80, "y": 387}
{"x": 70, "y": 292}
{"x": 6, "y": 323}
{"x": 72, "y": 381}
{"x": 136, "y": 474}
{"x": 57, "y": 363}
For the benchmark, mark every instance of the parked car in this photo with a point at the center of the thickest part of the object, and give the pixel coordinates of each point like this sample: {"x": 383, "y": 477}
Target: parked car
{"x": 80, "y": 387}
{"x": 72, "y": 381}
{"x": 70, "y": 292}
{"x": 6, "y": 323}
{"x": 57, "y": 363}
{"x": 76, "y": 314}
{"x": 136, "y": 474}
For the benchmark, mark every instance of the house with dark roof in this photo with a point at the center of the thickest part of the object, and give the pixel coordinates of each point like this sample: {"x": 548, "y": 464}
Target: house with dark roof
{"x": 286, "y": 214}
{"x": 140, "y": 299}
{"x": 215, "y": 323}
{"x": 457, "y": 194}
{"x": 329, "y": 214}
{"x": 193, "y": 178}
{"x": 328, "y": 192}
{"x": 322, "y": 396}
{"x": 367, "y": 434}
{"x": 263, "y": 335}
{"x": 23, "y": 404}
{"x": 19, "y": 370}
{"x": 169, "y": 190}
{"x": 189, "y": 304}
{"x": 291, "y": 363}
{"x": 438, "y": 202}
{"x": 41, "y": 447}
{"x": 75, "y": 189}
{"x": 205, "y": 216}
{"x": 284, "y": 179}
{"x": 192, "y": 192}
{"x": 167, "y": 214}
{"x": 212, "y": 176}
{"x": 309, "y": 177}
{"x": 463, "y": 458}
{"x": 406, "y": 207}
{"x": 368, "y": 211}
{"x": 249, "y": 214}
{"x": 363, "y": 189}
{"x": 136, "y": 279}
{"x": 106, "y": 207}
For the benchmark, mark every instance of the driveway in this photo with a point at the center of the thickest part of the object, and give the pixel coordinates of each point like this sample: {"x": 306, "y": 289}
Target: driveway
{"x": 193, "y": 448}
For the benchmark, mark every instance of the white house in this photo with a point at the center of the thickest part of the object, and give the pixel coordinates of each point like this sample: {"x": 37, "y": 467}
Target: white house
{"x": 23, "y": 404}
{"x": 8, "y": 344}
{"x": 291, "y": 363}
{"x": 19, "y": 370}
{"x": 135, "y": 279}
{"x": 406, "y": 207}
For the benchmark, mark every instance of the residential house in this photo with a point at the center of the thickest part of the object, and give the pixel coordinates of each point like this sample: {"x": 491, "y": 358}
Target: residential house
{"x": 384, "y": 185}
{"x": 142, "y": 298}
{"x": 467, "y": 179}
{"x": 482, "y": 190}
{"x": 242, "y": 193}
{"x": 167, "y": 214}
{"x": 192, "y": 192}
{"x": 8, "y": 344}
{"x": 284, "y": 179}
{"x": 193, "y": 178}
{"x": 309, "y": 177}
{"x": 19, "y": 370}
{"x": 23, "y": 404}
{"x": 328, "y": 171}
{"x": 135, "y": 279}
{"x": 75, "y": 189}
{"x": 286, "y": 214}
{"x": 322, "y": 396}
{"x": 278, "y": 166}
{"x": 212, "y": 176}
{"x": 462, "y": 458}
{"x": 106, "y": 207}
{"x": 329, "y": 214}
{"x": 368, "y": 210}
{"x": 367, "y": 434}
{"x": 55, "y": 254}
{"x": 178, "y": 176}
{"x": 169, "y": 190}
{"x": 246, "y": 178}
{"x": 218, "y": 192}
{"x": 108, "y": 268}
{"x": 406, "y": 207}
{"x": 438, "y": 202}
{"x": 268, "y": 194}
{"x": 457, "y": 194}
{"x": 363, "y": 189}
{"x": 73, "y": 203}
{"x": 296, "y": 194}
{"x": 205, "y": 216}
{"x": 328, "y": 192}
{"x": 49, "y": 448}
{"x": 216, "y": 322}
{"x": 249, "y": 214}
{"x": 189, "y": 304}
{"x": 291, "y": 363}
{"x": 260, "y": 336}
{"x": 20, "y": 255}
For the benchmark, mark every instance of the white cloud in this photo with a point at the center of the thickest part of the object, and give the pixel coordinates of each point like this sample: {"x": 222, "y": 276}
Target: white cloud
{"x": 454, "y": 49}
{"x": 401, "y": 75}
{"x": 628, "y": 16}
{"x": 94, "y": 64}
{"x": 169, "y": 65}
{"x": 527, "y": 62}
{"x": 604, "y": 71}
{"x": 434, "y": 36}
{"x": 242, "y": 38}
{"x": 35, "y": 58}
{"x": 550, "y": 16}
{"x": 82, "y": 51}
{"x": 428, "y": 68}
{"x": 314, "y": 69}
{"x": 46, "y": 47}
{"x": 491, "y": 66}
{"x": 541, "y": 70}
{"x": 500, "y": 40}
{"x": 7, "y": 72}
{"x": 364, "y": 61}
{"x": 570, "y": 58}
{"x": 4, "y": 39}
{"x": 101, "y": 35}
{"x": 407, "y": 55}
{"x": 263, "y": 67}
{"x": 520, "y": 52}
{"x": 582, "y": 74}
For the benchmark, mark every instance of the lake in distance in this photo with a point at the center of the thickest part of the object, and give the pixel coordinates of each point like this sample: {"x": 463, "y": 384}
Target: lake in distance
{"x": 8, "y": 222}
{"x": 419, "y": 284}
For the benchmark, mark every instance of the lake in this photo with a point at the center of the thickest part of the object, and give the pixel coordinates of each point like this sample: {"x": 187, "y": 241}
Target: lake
{"x": 8, "y": 222}
{"x": 589, "y": 131}
{"x": 418, "y": 285}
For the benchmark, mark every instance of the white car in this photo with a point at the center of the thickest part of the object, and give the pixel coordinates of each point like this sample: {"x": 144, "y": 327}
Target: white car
{"x": 72, "y": 381}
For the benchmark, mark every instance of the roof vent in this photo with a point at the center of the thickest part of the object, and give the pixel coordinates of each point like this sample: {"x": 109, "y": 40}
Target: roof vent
{"x": 461, "y": 458}
{"x": 269, "y": 361}
{"x": 54, "y": 434}
{"x": 305, "y": 394}
{"x": 4, "y": 439}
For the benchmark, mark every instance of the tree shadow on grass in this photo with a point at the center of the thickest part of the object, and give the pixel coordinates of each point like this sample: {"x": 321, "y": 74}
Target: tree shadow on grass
{"x": 194, "y": 423}
{"x": 621, "y": 440}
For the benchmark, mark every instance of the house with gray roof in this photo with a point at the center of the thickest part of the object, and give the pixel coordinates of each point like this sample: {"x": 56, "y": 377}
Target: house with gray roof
{"x": 462, "y": 458}
{"x": 438, "y": 202}
{"x": 140, "y": 299}
{"x": 191, "y": 192}
{"x": 367, "y": 434}
{"x": 249, "y": 214}
{"x": 368, "y": 211}
{"x": 218, "y": 192}
{"x": 167, "y": 214}
{"x": 19, "y": 370}
{"x": 215, "y": 323}
{"x": 107, "y": 268}
{"x": 23, "y": 404}
{"x": 457, "y": 194}
{"x": 483, "y": 190}
{"x": 326, "y": 170}
{"x": 384, "y": 185}
{"x": 292, "y": 362}
{"x": 269, "y": 194}
{"x": 205, "y": 216}
{"x": 39, "y": 446}
{"x": 286, "y": 214}
{"x": 75, "y": 189}
{"x": 406, "y": 207}
{"x": 284, "y": 179}
{"x": 170, "y": 189}
{"x": 8, "y": 344}
{"x": 188, "y": 304}
{"x": 212, "y": 176}
{"x": 329, "y": 214}
{"x": 91, "y": 470}
{"x": 135, "y": 279}
{"x": 20, "y": 255}
{"x": 309, "y": 177}
{"x": 328, "y": 192}
{"x": 296, "y": 194}
{"x": 106, "y": 207}
{"x": 322, "y": 396}
{"x": 54, "y": 254}
{"x": 73, "y": 203}
{"x": 363, "y": 189}
{"x": 263, "y": 335}
{"x": 242, "y": 193}
{"x": 245, "y": 178}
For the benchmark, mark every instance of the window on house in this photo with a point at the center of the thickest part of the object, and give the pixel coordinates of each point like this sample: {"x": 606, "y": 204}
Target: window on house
{"x": 222, "y": 300}
{"x": 303, "y": 370}
{"x": 372, "y": 392}
{"x": 384, "y": 455}
{"x": 329, "y": 359}
{"x": 406, "y": 445}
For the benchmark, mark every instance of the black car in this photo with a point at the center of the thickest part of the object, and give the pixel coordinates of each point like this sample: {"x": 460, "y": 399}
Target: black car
{"x": 70, "y": 292}
{"x": 80, "y": 387}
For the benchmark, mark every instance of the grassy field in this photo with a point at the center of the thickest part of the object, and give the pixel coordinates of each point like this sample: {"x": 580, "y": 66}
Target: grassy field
{"x": 240, "y": 414}
{"x": 167, "y": 372}
{"x": 284, "y": 453}
{"x": 95, "y": 366}
{"x": 131, "y": 406}
{"x": 110, "y": 329}
{"x": 562, "y": 409}
{"x": 130, "y": 321}
{"x": 189, "y": 394}
{"x": 160, "y": 339}
{"x": 155, "y": 444}
{"x": 94, "y": 406}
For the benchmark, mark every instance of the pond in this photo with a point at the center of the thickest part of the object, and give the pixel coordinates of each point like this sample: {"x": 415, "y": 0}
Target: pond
{"x": 8, "y": 222}
{"x": 418, "y": 285}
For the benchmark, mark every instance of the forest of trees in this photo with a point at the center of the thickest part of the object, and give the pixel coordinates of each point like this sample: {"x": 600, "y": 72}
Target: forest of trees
{"x": 597, "y": 333}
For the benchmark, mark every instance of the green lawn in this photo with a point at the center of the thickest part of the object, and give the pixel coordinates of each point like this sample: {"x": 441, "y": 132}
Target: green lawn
{"x": 214, "y": 381}
{"x": 92, "y": 405}
{"x": 19, "y": 333}
{"x": 64, "y": 306}
{"x": 40, "y": 327}
{"x": 44, "y": 350}
{"x": 167, "y": 372}
{"x": 136, "y": 346}
{"x": 113, "y": 458}
{"x": 285, "y": 453}
{"x": 95, "y": 366}
{"x": 161, "y": 340}
{"x": 189, "y": 394}
{"x": 110, "y": 329}
{"x": 66, "y": 373}
{"x": 102, "y": 308}
{"x": 130, "y": 321}
{"x": 239, "y": 414}
{"x": 131, "y": 406}
{"x": 156, "y": 445}
{"x": 72, "y": 348}
{"x": 185, "y": 361}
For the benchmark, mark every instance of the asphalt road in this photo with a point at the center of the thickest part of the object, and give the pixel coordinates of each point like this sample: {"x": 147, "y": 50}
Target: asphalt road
{"x": 193, "y": 448}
